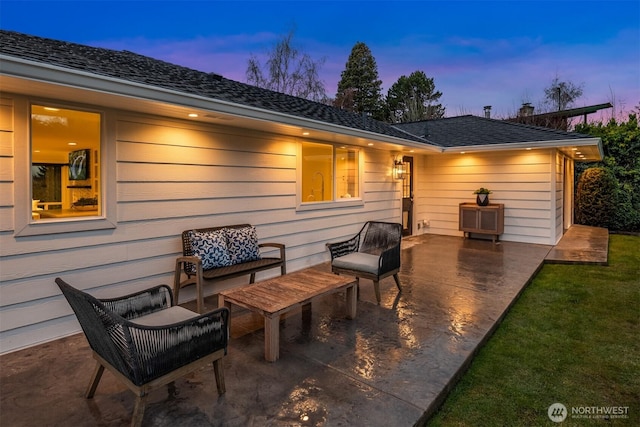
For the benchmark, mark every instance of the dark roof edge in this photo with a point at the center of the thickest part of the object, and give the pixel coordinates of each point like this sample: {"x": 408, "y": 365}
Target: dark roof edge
{"x": 574, "y": 112}
{"x": 591, "y": 141}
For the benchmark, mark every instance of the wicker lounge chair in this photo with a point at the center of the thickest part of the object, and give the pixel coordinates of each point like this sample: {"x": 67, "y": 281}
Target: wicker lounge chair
{"x": 373, "y": 253}
{"x": 146, "y": 341}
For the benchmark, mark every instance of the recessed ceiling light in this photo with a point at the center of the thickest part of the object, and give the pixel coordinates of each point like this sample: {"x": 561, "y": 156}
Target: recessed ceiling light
{"x": 72, "y": 143}
{"x": 463, "y": 152}
{"x": 305, "y": 133}
{"x": 370, "y": 144}
{"x": 51, "y": 109}
{"x": 528, "y": 148}
{"x": 193, "y": 115}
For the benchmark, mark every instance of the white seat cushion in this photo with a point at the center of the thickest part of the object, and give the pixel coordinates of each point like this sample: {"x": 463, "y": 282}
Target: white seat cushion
{"x": 167, "y": 316}
{"x": 358, "y": 261}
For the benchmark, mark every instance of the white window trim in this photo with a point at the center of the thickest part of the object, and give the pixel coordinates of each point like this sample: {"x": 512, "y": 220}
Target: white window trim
{"x": 335, "y": 203}
{"x": 24, "y": 225}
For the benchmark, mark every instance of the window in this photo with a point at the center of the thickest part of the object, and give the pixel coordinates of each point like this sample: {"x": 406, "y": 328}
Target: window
{"x": 347, "y": 173}
{"x": 329, "y": 173}
{"x": 65, "y": 168}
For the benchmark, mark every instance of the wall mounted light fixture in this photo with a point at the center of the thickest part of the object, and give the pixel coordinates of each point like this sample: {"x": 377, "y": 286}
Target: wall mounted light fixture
{"x": 399, "y": 168}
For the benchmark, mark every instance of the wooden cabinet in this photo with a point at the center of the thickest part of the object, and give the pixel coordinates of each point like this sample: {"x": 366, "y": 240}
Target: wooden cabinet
{"x": 482, "y": 219}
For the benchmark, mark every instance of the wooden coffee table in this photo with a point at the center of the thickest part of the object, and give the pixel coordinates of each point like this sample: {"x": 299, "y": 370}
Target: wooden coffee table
{"x": 274, "y": 297}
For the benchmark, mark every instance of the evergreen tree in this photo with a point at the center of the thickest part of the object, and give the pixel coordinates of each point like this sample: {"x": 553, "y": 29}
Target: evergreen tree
{"x": 360, "y": 88}
{"x": 414, "y": 98}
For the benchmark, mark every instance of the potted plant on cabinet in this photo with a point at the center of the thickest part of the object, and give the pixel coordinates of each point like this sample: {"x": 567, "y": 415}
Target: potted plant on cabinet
{"x": 482, "y": 196}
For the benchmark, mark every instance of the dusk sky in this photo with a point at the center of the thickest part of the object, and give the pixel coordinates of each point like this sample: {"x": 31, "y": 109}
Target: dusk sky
{"x": 498, "y": 53}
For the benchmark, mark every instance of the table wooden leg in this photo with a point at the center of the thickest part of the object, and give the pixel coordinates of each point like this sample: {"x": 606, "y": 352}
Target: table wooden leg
{"x": 272, "y": 338}
{"x": 220, "y": 300}
{"x": 352, "y": 301}
{"x": 306, "y": 318}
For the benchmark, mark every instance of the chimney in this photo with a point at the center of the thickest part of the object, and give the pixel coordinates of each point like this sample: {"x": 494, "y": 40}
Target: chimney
{"x": 487, "y": 111}
{"x": 526, "y": 110}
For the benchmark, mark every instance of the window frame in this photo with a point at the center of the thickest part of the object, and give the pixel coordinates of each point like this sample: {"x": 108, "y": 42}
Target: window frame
{"x": 24, "y": 224}
{"x": 334, "y": 202}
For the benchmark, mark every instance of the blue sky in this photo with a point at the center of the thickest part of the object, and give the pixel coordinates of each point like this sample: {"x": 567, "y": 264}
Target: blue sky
{"x": 499, "y": 53}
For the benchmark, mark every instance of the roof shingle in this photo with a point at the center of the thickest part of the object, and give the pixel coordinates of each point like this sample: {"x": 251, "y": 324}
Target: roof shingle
{"x": 129, "y": 66}
{"x": 142, "y": 69}
{"x": 463, "y": 131}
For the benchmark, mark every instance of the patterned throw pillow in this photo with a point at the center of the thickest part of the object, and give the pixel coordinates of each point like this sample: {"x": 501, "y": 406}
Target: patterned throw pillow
{"x": 243, "y": 244}
{"x": 211, "y": 248}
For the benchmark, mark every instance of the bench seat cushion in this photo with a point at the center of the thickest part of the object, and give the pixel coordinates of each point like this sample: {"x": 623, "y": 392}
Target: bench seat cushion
{"x": 358, "y": 261}
{"x": 241, "y": 269}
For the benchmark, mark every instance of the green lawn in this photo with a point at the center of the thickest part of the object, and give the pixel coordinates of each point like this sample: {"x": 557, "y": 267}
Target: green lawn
{"x": 572, "y": 338}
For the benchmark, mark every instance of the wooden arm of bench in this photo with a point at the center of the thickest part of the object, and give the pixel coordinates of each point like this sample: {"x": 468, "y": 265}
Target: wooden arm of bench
{"x": 283, "y": 257}
{"x": 191, "y": 279}
{"x": 279, "y": 246}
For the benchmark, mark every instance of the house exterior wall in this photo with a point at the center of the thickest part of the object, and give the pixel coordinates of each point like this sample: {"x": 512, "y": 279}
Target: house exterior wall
{"x": 169, "y": 176}
{"x": 569, "y": 190}
{"x": 524, "y": 181}
{"x": 558, "y": 188}
{"x": 6, "y": 164}
{"x": 564, "y": 184}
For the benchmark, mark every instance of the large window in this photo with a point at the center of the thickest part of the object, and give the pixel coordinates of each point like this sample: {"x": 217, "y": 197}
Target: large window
{"x": 65, "y": 168}
{"x": 329, "y": 173}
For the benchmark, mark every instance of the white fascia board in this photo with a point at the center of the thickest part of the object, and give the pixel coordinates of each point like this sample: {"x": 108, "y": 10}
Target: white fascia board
{"x": 578, "y": 142}
{"x": 47, "y": 73}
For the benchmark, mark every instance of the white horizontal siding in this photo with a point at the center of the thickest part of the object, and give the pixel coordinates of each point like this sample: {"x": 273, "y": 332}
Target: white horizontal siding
{"x": 6, "y": 165}
{"x": 199, "y": 207}
{"x": 518, "y": 179}
{"x": 559, "y": 196}
{"x": 170, "y": 176}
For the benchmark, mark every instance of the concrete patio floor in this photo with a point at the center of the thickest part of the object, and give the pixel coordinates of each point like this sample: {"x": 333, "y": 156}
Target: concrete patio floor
{"x": 388, "y": 367}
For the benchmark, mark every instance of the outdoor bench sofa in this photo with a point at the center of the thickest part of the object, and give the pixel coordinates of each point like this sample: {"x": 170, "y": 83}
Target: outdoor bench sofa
{"x": 218, "y": 253}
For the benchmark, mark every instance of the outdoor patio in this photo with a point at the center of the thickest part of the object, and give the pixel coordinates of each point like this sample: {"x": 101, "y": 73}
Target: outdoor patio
{"x": 388, "y": 367}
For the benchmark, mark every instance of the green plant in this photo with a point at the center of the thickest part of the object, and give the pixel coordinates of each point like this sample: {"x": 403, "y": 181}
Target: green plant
{"x": 621, "y": 145}
{"x": 482, "y": 190}
{"x": 596, "y": 198}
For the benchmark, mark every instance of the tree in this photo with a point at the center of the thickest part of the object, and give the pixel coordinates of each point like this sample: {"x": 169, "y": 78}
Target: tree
{"x": 288, "y": 70}
{"x": 596, "y": 198}
{"x": 414, "y": 98}
{"x": 560, "y": 95}
{"x": 359, "y": 88}
{"x": 621, "y": 145}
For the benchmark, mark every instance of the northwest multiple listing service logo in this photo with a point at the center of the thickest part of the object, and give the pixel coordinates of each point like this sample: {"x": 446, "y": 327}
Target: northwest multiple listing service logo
{"x": 557, "y": 412}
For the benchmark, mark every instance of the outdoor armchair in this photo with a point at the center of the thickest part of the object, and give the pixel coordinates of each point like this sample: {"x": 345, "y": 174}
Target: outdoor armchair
{"x": 373, "y": 253}
{"x": 146, "y": 341}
